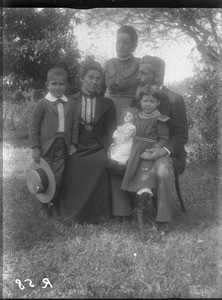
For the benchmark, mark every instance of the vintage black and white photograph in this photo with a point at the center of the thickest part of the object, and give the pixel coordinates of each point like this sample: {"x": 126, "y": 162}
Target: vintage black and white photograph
{"x": 111, "y": 145}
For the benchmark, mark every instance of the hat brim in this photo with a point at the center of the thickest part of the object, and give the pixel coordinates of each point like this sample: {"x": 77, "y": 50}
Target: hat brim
{"x": 50, "y": 192}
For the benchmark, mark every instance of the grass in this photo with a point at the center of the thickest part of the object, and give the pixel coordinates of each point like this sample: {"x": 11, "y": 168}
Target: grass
{"x": 110, "y": 260}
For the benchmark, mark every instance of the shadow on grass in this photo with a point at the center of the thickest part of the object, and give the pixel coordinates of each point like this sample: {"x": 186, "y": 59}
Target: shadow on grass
{"x": 200, "y": 193}
{"x": 25, "y": 225}
{"x": 109, "y": 259}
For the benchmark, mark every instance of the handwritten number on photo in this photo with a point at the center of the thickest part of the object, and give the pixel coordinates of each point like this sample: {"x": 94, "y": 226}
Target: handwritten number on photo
{"x": 21, "y": 286}
{"x": 30, "y": 282}
{"x": 47, "y": 282}
{"x": 44, "y": 280}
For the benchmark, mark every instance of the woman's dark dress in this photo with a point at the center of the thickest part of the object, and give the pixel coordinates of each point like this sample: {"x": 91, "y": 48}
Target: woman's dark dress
{"x": 85, "y": 192}
{"x": 120, "y": 82}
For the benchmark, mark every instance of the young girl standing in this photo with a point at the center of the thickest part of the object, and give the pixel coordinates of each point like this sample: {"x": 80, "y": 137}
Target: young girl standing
{"x": 151, "y": 132}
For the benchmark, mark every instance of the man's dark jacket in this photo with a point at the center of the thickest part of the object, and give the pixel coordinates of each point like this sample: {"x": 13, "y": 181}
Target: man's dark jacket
{"x": 173, "y": 106}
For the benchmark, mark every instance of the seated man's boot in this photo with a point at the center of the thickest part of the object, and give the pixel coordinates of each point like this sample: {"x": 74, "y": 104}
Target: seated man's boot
{"x": 142, "y": 202}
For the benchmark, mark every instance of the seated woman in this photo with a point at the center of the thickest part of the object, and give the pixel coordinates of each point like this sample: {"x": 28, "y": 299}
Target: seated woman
{"x": 85, "y": 191}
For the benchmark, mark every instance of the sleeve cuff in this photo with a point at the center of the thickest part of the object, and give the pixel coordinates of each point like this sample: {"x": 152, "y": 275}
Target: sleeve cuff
{"x": 74, "y": 141}
{"x": 167, "y": 151}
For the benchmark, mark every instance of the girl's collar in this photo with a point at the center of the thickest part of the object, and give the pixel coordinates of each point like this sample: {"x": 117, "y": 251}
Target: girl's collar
{"x": 156, "y": 113}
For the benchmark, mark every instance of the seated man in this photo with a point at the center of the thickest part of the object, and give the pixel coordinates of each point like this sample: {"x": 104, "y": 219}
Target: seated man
{"x": 173, "y": 155}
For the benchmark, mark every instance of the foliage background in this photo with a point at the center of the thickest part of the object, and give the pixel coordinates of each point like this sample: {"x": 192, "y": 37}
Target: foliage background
{"x": 109, "y": 260}
{"x": 36, "y": 39}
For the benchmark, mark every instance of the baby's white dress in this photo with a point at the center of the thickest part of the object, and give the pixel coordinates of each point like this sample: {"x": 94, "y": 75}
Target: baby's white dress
{"x": 123, "y": 139}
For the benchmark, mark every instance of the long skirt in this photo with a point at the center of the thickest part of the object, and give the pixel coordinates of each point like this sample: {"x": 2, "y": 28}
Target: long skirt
{"x": 121, "y": 200}
{"x": 85, "y": 191}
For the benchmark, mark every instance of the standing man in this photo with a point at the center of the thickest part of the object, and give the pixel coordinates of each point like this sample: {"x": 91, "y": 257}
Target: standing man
{"x": 173, "y": 155}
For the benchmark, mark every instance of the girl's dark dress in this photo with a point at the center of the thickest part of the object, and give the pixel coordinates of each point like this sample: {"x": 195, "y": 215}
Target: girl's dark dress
{"x": 85, "y": 192}
{"x": 151, "y": 132}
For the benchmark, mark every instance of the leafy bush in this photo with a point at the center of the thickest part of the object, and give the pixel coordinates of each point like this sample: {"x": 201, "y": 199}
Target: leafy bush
{"x": 17, "y": 104}
{"x": 37, "y": 39}
{"x": 34, "y": 41}
{"x": 201, "y": 99}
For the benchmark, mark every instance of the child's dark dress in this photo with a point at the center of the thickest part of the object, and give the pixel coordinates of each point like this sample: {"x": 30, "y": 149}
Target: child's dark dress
{"x": 151, "y": 132}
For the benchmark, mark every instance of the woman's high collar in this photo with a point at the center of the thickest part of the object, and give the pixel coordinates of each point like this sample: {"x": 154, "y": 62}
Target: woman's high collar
{"x": 125, "y": 58}
{"x": 85, "y": 94}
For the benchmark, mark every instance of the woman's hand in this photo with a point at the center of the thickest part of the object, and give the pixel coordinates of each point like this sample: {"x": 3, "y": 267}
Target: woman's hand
{"x": 36, "y": 154}
{"x": 155, "y": 153}
{"x": 72, "y": 149}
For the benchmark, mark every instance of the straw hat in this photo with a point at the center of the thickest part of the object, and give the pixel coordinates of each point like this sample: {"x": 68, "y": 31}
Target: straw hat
{"x": 41, "y": 181}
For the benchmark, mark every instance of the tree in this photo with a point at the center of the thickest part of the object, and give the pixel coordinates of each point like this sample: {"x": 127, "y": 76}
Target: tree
{"x": 201, "y": 95}
{"x": 202, "y": 25}
{"x": 36, "y": 39}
